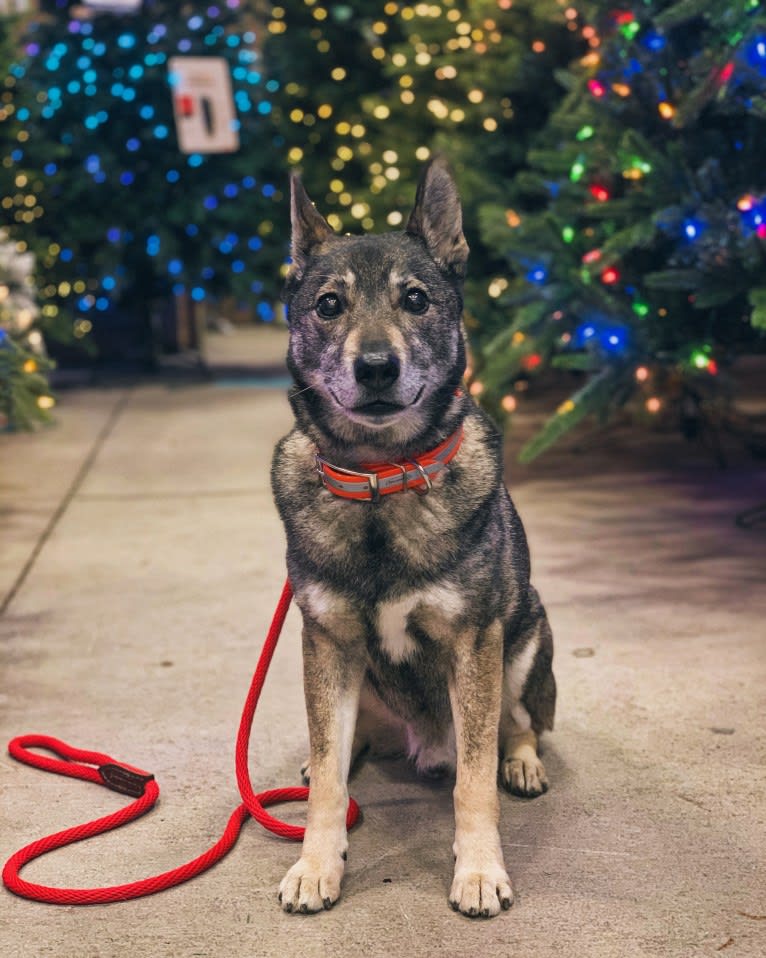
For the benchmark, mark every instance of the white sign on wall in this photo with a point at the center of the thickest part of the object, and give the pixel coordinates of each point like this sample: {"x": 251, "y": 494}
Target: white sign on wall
{"x": 116, "y": 6}
{"x": 206, "y": 120}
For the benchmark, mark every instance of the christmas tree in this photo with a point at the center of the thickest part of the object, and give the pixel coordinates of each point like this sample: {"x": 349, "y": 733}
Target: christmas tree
{"x": 328, "y": 60}
{"x": 369, "y": 92}
{"x": 119, "y": 217}
{"x": 25, "y": 398}
{"x": 635, "y": 245}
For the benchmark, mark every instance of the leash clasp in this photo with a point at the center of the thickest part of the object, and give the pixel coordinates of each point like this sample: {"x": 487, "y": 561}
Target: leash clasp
{"x": 124, "y": 779}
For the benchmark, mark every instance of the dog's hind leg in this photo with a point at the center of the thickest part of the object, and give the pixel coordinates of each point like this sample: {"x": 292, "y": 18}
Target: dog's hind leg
{"x": 529, "y": 699}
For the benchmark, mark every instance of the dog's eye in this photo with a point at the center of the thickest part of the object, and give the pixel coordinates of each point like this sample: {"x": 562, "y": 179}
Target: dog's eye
{"x": 415, "y": 301}
{"x": 329, "y": 306}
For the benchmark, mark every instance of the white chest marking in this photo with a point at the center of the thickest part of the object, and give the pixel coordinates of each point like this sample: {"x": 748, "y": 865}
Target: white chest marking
{"x": 395, "y": 640}
{"x": 392, "y": 627}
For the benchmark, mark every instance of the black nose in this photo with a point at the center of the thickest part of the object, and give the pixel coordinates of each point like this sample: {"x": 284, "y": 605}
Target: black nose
{"x": 377, "y": 370}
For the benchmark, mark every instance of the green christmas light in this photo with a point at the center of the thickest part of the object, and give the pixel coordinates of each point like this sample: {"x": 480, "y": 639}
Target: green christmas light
{"x": 577, "y": 171}
{"x": 629, "y": 30}
{"x": 641, "y": 309}
{"x": 568, "y": 234}
{"x": 699, "y": 358}
{"x": 584, "y": 133}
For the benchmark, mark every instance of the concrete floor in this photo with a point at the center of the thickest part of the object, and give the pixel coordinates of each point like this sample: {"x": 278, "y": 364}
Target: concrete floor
{"x": 141, "y": 560}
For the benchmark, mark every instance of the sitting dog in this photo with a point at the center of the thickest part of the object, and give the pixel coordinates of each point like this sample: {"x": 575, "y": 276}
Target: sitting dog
{"x": 407, "y": 558}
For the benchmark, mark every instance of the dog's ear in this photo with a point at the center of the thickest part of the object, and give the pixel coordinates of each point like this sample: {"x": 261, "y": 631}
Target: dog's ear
{"x": 437, "y": 218}
{"x": 309, "y": 227}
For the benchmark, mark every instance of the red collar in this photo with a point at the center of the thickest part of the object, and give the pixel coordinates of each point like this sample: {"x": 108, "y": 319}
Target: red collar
{"x": 374, "y": 480}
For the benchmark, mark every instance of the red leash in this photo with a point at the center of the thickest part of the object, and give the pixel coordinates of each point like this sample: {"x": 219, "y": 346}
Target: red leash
{"x": 103, "y": 770}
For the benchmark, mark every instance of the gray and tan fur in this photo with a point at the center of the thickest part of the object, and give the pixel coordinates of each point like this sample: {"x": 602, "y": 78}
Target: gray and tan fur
{"x": 421, "y": 631}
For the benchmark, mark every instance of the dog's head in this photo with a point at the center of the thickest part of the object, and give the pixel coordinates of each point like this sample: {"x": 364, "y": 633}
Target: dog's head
{"x": 376, "y": 345}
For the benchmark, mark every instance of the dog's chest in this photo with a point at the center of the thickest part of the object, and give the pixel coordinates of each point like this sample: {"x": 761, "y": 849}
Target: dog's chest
{"x": 381, "y": 547}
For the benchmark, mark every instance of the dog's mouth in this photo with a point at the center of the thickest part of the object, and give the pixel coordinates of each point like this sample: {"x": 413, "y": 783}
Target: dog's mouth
{"x": 378, "y": 408}
{"x": 382, "y": 408}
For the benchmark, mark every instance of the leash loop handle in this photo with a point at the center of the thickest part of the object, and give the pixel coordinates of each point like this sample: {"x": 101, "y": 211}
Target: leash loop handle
{"x": 103, "y": 770}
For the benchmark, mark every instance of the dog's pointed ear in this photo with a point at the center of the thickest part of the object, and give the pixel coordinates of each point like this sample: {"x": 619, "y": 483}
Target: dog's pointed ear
{"x": 309, "y": 227}
{"x": 437, "y": 218}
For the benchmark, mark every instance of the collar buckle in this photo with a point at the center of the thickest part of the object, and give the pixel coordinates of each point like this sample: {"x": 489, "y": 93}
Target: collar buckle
{"x": 371, "y": 477}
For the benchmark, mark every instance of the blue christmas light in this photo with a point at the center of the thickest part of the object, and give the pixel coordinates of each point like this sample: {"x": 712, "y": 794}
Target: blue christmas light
{"x": 126, "y": 178}
{"x": 66, "y": 255}
{"x": 113, "y": 234}
{"x": 198, "y": 294}
{"x": 265, "y": 311}
{"x": 161, "y": 131}
{"x": 109, "y": 282}
{"x": 195, "y": 159}
{"x": 126, "y": 41}
{"x": 537, "y": 274}
{"x": 152, "y": 245}
{"x": 210, "y": 203}
{"x": 175, "y": 266}
{"x": 102, "y": 304}
{"x": 655, "y": 41}
{"x": 248, "y": 182}
{"x": 146, "y": 112}
{"x": 614, "y": 339}
{"x": 192, "y": 229}
{"x": 264, "y": 107}
{"x": 172, "y": 176}
{"x": 133, "y": 144}
{"x": 230, "y": 190}
{"x": 237, "y": 266}
{"x": 50, "y": 169}
{"x": 255, "y": 243}
{"x": 194, "y": 23}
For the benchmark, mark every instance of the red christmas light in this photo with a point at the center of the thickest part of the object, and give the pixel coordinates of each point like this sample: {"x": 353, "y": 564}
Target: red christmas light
{"x": 596, "y": 88}
{"x": 532, "y": 361}
{"x": 601, "y": 193}
{"x": 610, "y": 276}
{"x": 592, "y": 256}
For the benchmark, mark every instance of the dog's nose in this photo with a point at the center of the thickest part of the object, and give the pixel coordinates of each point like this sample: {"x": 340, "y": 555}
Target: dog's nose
{"x": 377, "y": 369}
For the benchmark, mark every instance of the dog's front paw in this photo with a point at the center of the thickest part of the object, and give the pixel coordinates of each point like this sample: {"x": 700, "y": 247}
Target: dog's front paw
{"x": 524, "y": 776}
{"x": 311, "y": 885}
{"x": 481, "y": 893}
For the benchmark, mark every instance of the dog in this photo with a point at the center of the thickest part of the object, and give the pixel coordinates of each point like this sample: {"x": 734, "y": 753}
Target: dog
{"x": 408, "y": 560}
